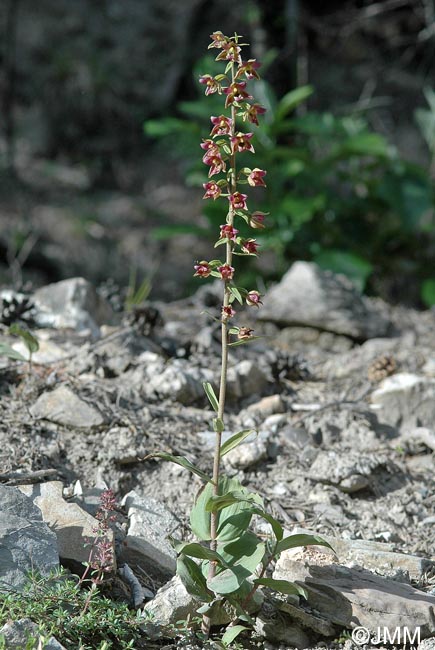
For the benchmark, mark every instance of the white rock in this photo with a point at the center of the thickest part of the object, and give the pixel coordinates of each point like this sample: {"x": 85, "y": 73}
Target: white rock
{"x": 72, "y": 525}
{"x": 72, "y": 303}
{"x": 147, "y": 541}
{"x": 64, "y": 407}
{"x": 18, "y": 634}
{"x": 245, "y": 379}
{"x": 310, "y": 296}
{"x": 405, "y": 400}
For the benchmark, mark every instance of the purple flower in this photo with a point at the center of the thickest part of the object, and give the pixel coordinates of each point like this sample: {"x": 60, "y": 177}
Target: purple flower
{"x": 210, "y": 82}
{"x": 250, "y": 246}
{"x": 222, "y": 125}
{"x": 256, "y": 220}
{"x": 230, "y": 52}
{"x": 255, "y": 178}
{"x": 229, "y": 231}
{"x": 212, "y": 191}
{"x": 217, "y": 164}
{"x": 242, "y": 142}
{"x": 238, "y": 200}
{"x": 202, "y": 269}
{"x": 226, "y": 271}
{"x": 252, "y": 112}
{"x": 218, "y": 40}
{"x": 236, "y": 92}
{"x": 253, "y": 299}
{"x": 228, "y": 312}
{"x": 249, "y": 69}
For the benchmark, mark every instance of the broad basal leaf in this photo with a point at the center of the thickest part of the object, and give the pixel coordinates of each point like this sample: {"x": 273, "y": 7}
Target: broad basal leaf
{"x": 231, "y": 633}
{"x": 283, "y": 586}
{"x": 192, "y": 578}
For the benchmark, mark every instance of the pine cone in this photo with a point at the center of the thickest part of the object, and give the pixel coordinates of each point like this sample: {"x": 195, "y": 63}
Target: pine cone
{"x": 287, "y": 366}
{"x": 381, "y": 367}
{"x": 16, "y": 308}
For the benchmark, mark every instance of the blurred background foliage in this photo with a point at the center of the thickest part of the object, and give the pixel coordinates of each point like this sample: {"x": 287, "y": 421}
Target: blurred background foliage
{"x": 338, "y": 193}
{"x": 102, "y": 117}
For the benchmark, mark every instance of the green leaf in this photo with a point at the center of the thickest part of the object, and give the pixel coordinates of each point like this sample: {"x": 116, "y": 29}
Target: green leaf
{"x": 7, "y": 351}
{"x": 303, "y": 209}
{"x": 278, "y": 530}
{"x": 208, "y": 388}
{"x": 244, "y": 341}
{"x": 364, "y": 144}
{"x": 216, "y": 503}
{"x": 231, "y": 633}
{"x": 247, "y": 551}
{"x": 409, "y": 195}
{"x": 236, "y": 440}
{"x": 192, "y": 578}
{"x": 234, "y": 525}
{"x": 167, "y": 232}
{"x": 193, "y": 549}
{"x": 164, "y": 127}
{"x": 229, "y": 580}
{"x": 283, "y": 586}
{"x": 30, "y": 341}
{"x": 234, "y": 519}
{"x": 291, "y": 100}
{"x": 354, "y": 266}
{"x": 180, "y": 460}
{"x": 236, "y": 293}
{"x": 301, "y": 539}
{"x": 199, "y": 517}
{"x": 428, "y": 292}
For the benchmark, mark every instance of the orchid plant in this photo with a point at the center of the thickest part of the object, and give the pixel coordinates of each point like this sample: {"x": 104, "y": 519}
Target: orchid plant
{"x": 229, "y": 563}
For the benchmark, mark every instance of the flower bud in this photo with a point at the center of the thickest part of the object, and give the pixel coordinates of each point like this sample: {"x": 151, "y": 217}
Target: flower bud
{"x": 253, "y": 299}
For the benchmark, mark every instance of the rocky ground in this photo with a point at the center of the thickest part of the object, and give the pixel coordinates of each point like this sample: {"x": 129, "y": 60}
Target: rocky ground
{"x": 340, "y": 389}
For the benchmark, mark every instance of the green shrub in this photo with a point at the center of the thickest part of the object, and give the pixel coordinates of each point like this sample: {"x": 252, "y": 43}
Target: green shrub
{"x": 338, "y": 193}
{"x": 57, "y": 603}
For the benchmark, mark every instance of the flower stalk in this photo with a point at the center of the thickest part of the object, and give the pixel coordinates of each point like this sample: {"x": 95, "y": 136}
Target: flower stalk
{"x": 227, "y": 140}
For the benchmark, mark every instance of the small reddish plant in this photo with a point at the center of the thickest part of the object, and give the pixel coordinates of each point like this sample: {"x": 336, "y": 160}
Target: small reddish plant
{"x": 233, "y": 561}
{"x": 101, "y": 560}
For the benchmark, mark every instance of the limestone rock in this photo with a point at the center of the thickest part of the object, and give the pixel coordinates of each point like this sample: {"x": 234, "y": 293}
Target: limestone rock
{"x": 312, "y": 297}
{"x": 176, "y": 381}
{"x": 249, "y": 452}
{"x": 280, "y": 630}
{"x": 171, "y": 603}
{"x": 378, "y": 557}
{"x": 17, "y": 635}
{"x": 252, "y": 450}
{"x": 405, "y": 400}
{"x": 72, "y": 303}
{"x": 352, "y": 471}
{"x": 26, "y": 542}
{"x": 64, "y": 407}
{"x": 72, "y": 525}
{"x": 350, "y": 597}
{"x": 146, "y": 543}
{"x": 245, "y": 379}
